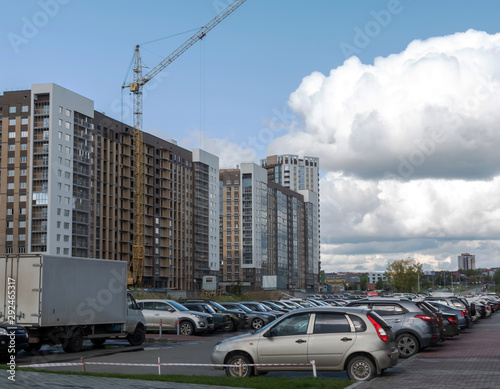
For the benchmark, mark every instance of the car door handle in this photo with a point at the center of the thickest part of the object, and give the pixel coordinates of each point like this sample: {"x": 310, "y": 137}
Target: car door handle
{"x": 346, "y": 339}
{"x": 397, "y": 321}
{"x": 300, "y": 341}
{"x": 157, "y": 314}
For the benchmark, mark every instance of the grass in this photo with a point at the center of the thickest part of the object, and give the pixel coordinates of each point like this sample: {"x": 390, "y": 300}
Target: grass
{"x": 259, "y": 382}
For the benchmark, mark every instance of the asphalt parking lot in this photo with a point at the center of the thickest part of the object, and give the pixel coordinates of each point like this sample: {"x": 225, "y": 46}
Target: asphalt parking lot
{"x": 470, "y": 361}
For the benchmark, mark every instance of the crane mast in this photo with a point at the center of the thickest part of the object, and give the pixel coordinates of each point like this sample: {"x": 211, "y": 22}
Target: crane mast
{"x": 136, "y": 265}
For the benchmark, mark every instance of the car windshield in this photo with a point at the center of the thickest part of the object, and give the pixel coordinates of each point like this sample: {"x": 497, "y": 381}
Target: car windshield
{"x": 218, "y": 306}
{"x": 178, "y": 306}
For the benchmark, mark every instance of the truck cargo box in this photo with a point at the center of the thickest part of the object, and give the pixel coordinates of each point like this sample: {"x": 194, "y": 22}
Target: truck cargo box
{"x": 63, "y": 291}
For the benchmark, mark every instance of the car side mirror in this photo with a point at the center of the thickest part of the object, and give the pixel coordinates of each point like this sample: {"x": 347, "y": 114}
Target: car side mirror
{"x": 267, "y": 334}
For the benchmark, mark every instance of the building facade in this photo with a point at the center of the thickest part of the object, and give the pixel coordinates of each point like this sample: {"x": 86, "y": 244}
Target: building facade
{"x": 267, "y": 232}
{"x": 66, "y": 183}
{"x": 466, "y": 261}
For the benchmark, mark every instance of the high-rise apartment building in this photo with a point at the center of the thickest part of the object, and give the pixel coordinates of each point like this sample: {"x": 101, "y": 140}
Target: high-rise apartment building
{"x": 66, "y": 183}
{"x": 466, "y": 261}
{"x": 293, "y": 172}
{"x": 267, "y": 232}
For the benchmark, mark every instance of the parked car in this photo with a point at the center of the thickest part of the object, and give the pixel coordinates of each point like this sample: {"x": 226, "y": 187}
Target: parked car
{"x": 463, "y": 318}
{"x": 221, "y": 320}
{"x": 452, "y": 301}
{"x": 355, "y": 340}
{"x": 415, "y": 327}
{"x": 259, "y": 307}
{"x": 451, "y": 325}
{"x": 439, "y": 316}
{"x": 276, "y": 307}
{"x": 169, "y": 313}
{"x": 256, "y": 320}
{"x": 12, "y": 339}
{"x": 239, "y": 319}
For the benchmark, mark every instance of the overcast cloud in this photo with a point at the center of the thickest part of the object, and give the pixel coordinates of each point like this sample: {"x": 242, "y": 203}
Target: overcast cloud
{"x": 409, "y": 147}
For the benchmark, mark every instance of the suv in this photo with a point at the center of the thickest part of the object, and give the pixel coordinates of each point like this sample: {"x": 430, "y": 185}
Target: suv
{"x": 256, "y": 320}
{"x": 221, "y": 320}
{"x": 169, "y": 313}
{"x": 358, "y": 341}
{"x": 414, "y": 325}
{"x": 238, "y": 319}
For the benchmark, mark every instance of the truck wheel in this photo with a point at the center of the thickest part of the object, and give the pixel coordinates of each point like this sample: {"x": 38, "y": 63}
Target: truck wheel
{"x": 73, "y": 344}
{"x": 229, "y": 326}
{"x": 98, "y": 341}
{"x": 186, "y": 328}
{"x": 138, "y": 337}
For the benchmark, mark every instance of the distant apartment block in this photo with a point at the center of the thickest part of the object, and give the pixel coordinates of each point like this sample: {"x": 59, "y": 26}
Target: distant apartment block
{"x": 66, "y": 186}
{"x": 374, "y": 276}
{"x": 268, "y": 232}
{"x": 466, "y": 261}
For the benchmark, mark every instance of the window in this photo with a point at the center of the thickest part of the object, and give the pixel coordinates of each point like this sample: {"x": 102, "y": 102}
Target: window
{"x": 12, "y": 134}
{"x": 24, "y": 120}
{"x": 10, "y": 224}
{"x": 12, "y": 109}
{"x": 24, "y": 134}
{"x": 66, "y": 251}
{"x": 66, "y": 226}
{"x": 22, "y": 198}
{"x": 24, "y": 108}
{"x": 12, "y": 147}
{"x": 328, "y": 323}
{"x": 66, "y": 212}
{"x": 60, "y": 109}
{"x": 292, "y": 325}
{"x": 21, "y": 237}
{"x": 388, "y": 309}
{"x": 10, "y": 211}
{"x": 58, "y": 211}
{"x": 22, "y": 224}
{"x": 9, "y": 237}
{"x": 21, "y": 250}
{"x": 10, "y": 185}
{"x": 24, "y": 146}
{"x": 59, "y": 134}
{"x": 68, "y": 138}
{"x": 22, "y": 211}
{"x": 66, "y": 238}
{"x": 10, "y": 172}
{"x": 24, "y": 159}
{"x": 10, "y": 198}
{"x": 58, "y": 250}
{"x": 60, "y": 122}
{"x": 68, "y": 112}
{"x": 67, "y": 175}
{"x": 68, "y": 150}
{"x": 23, "y": 172}
{"x": 68, "y": 125}
{"x": 23, "y": 185}
{"x": 11, "y": 160}
{"x": 59, "y": 147}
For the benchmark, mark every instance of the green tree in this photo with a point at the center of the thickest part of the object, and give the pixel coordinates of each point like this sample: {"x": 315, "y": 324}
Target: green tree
{"x": 404, "y": 275}
{"x": 380, "y": 284}
{"x": 363, "y": 280}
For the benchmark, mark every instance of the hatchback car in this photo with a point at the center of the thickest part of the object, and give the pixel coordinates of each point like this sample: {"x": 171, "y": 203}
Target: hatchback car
{"x": 170, "y": 314}
{"x": 358, "y": 341}
{"x": 415, "y": 326}
{"x": 221, "y": 320}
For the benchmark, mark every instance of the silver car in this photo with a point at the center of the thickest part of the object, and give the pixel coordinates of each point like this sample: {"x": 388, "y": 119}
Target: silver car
{"x": 171, "y": 314}
{"x": 358, "y": 341}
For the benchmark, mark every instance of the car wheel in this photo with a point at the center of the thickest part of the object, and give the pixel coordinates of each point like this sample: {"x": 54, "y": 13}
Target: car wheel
{"x": 138, "y": 337}
{"x": 186, "y": 328}
{"x": 240, "y": 366}
{"x": 361, "y": 368}
{"x": 229, "y": 326}
{"x": 407, "y": 345}
{"x": 257, "y": 323}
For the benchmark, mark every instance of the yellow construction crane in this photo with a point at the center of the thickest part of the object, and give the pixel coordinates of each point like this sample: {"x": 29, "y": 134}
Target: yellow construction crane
{"x": 136, "y": 265}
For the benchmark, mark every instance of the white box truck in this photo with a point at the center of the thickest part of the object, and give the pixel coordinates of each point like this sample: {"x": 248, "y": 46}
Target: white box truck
{"x": 64, "y": 300}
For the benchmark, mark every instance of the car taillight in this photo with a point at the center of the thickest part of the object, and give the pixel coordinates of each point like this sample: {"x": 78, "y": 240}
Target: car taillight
{"x": 424, "y": 317}
{"x": 453, "y": 320}
{"x": 464, "y": 313}
{"x": 380, "y": 331}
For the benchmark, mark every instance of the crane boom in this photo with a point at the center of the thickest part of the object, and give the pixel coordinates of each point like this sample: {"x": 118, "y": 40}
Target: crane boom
{"x": 136, "y": 265}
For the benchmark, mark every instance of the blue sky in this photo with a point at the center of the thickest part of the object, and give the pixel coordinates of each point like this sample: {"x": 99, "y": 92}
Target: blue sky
{"x": 236, "y": 85}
